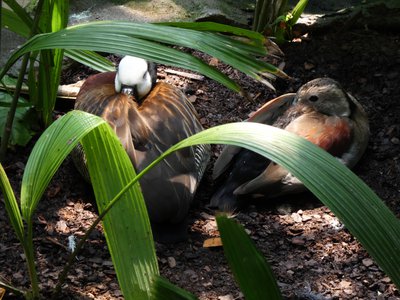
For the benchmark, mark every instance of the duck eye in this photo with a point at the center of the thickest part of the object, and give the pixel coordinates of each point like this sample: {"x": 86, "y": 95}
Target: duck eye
{"x": 144, "y": 75}
{"x": 313, "y": 98}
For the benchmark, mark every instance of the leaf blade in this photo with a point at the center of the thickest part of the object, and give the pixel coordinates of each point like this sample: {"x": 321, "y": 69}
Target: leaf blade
{"x": 248, "y": 265}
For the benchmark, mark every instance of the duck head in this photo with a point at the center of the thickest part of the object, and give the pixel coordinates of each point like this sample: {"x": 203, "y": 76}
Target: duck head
{"x": 135, "y": 76}
{"x": 325, "y": 96}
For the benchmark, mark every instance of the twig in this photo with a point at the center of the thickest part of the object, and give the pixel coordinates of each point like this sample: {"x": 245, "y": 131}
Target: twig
{"x": 185, "y": 74}
{"x": 11, "y": 288}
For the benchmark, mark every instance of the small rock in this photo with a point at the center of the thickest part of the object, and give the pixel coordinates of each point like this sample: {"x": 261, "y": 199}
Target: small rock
{"x": 171, "y": 262}
{"x": 367, "y": 262}
{"x": 193, "y": 98}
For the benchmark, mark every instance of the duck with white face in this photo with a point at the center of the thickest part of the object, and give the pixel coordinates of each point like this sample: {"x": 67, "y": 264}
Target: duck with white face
{"x": 149, "y": 117}
{"x": 321, "y": 112}
{"x": 135, "y": 77}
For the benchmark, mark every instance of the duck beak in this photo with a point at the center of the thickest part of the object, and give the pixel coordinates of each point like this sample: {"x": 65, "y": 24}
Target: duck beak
{"x": 130, "y": 90}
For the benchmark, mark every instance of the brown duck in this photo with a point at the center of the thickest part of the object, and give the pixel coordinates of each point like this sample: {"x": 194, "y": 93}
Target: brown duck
{"x": 149, "y": 118}
{"x": 321, "y": 112}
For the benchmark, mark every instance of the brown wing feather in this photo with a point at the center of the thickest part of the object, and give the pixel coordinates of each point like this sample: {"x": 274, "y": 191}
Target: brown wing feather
{"x": 97, "y": 96}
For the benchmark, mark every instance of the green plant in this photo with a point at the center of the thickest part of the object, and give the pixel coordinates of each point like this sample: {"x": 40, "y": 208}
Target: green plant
{"x": 362, "y": 212}
{"x": 272, "y": 18}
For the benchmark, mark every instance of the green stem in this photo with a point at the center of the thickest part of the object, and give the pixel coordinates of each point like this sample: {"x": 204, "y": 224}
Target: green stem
{"x": 11, "y": 113}
{"x": 30, "y": 259}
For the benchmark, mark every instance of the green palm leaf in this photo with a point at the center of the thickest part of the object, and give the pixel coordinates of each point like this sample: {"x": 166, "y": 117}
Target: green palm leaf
{"x": 350, "y": 199}
{"x": 143, "y": 40}
{"x": 126, "y": 226}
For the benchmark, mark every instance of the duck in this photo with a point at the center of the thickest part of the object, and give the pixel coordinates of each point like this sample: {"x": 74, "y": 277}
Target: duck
{"x": 322, "y": 112}
{"x": 150, "y": 116}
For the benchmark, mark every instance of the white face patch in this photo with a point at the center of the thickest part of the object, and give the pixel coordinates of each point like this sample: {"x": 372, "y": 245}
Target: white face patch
{"x": 133, "y": 71}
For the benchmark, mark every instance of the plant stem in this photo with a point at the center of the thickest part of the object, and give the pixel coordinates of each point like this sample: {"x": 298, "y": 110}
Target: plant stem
{"x": 30, "y": 259}
{"x": 10, "y": 287}
{"x": 11, "y": 113}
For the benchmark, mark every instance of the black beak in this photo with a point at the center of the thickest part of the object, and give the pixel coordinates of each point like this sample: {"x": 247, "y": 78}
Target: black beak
{"x": 130, "y": 90}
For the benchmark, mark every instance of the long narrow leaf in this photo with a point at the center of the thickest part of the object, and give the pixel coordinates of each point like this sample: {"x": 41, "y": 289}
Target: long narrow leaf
{"x": 47, "y": 155}
{"x": 121, "y": 44}
{"x": 163, "y": 289}
{"x": 258, "y": 38}
{"x": 126, "y": 225}
{"x": 20, "y": 12}
{"x": 12, "y": 22}
{"x": 297, "y": 11}
{"x": 91, "y": 59}
{"x": 143, "y": 40}
{"x": 249, "y": 266}
{"x": 12, "y": 208}
{"x": 350, "y": 199}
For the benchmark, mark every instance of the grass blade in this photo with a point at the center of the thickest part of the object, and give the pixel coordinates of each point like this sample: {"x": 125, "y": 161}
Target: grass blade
{"x": 11, "y": 204}
{"x": 47, "y": 155}
{"x": 163, "y": 289}
{"x": 248, "y": 265}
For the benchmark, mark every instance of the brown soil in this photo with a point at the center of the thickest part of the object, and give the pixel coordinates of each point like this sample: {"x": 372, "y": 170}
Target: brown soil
{"x": 312, "y": 254}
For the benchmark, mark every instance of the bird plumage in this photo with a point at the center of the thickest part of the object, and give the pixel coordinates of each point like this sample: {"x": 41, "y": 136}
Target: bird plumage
{"x": 147, "y": 127}
{"x": 321, "y": 112}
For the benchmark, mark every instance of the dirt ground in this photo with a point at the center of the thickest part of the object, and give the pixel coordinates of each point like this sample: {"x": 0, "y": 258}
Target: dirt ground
{"x": 312, "y": 254}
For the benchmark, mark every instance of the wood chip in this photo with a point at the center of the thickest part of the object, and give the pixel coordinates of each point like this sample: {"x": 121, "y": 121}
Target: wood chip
{"x": 212, "y": 242}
